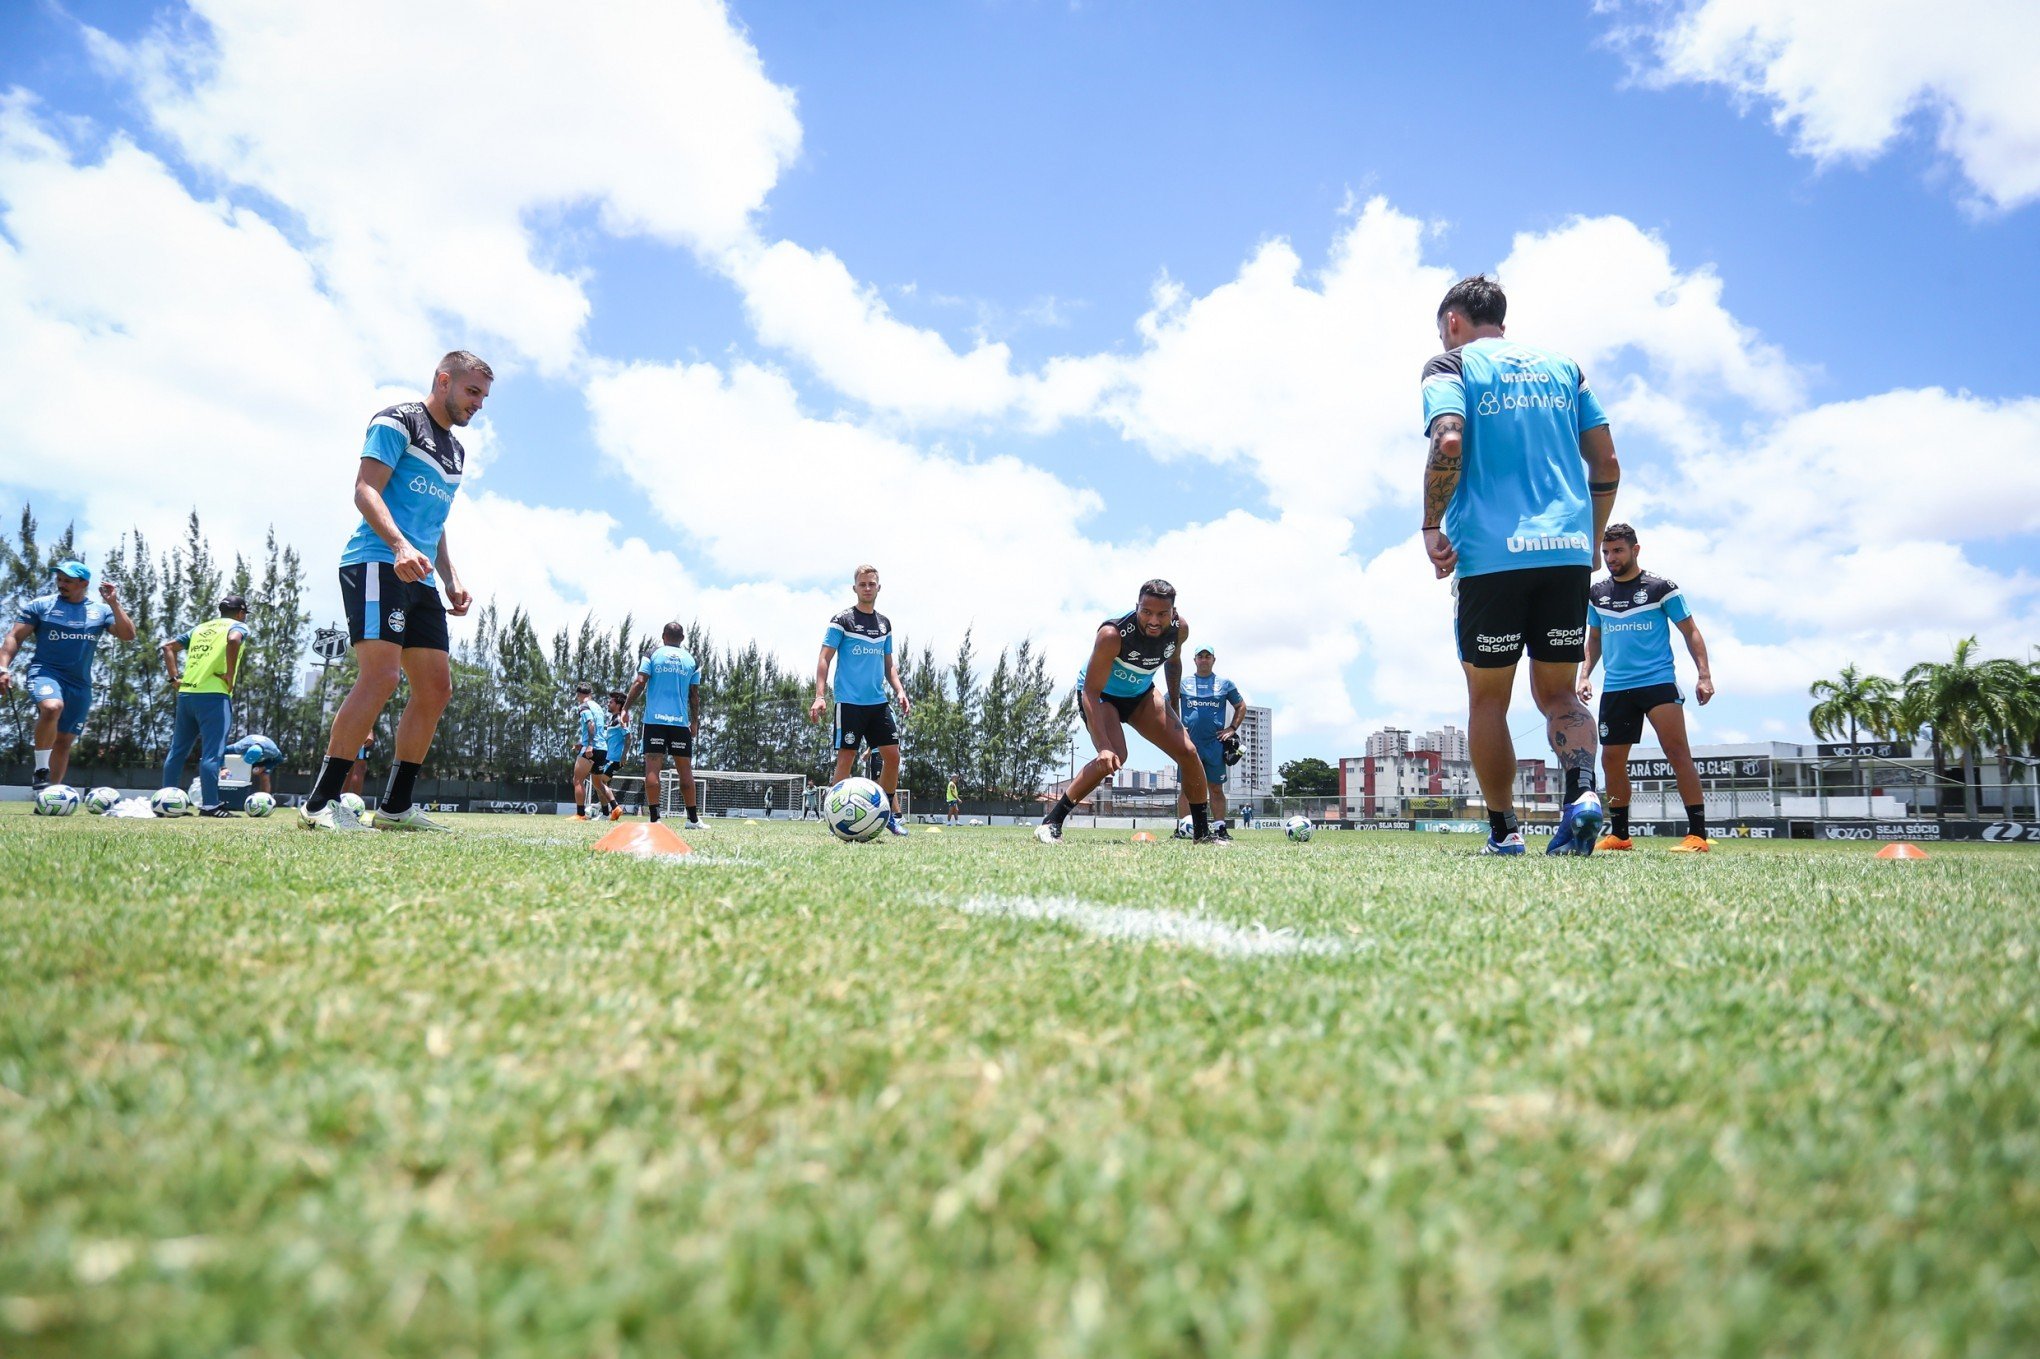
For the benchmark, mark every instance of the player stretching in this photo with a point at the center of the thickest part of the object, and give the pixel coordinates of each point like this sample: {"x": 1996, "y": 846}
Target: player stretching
{"x": 859, "y": 640}
{"x": 1632, "y": 620}
{"x": 409, "y": 473}
{"x": 590, "y": 744}
{"x": 66, "y": 628}
{"x": 670, "y": 682}
{"x": 1519, "y": 484}
{"x": 1205, "y": 699}
{"x": 1117, "y": 690}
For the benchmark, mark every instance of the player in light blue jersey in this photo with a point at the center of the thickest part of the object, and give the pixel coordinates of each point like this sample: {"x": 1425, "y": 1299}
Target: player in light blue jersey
{"x": 859, "y": 643}
{"x": 1519, "y": 484}
{"x": 615, "y": 741}
{"x": 391, "y": 574}
{"x": 590, "y": 747}
{"x": 1212, "y": 711}
{"x": 1633, "y": 615}
{"x": 65, "y": 627}
{"x": 670, "y": 682}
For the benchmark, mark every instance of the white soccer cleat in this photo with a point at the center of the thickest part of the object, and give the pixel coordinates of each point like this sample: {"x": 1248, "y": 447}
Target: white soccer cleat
{"x": 695, "y": 825}
{"x": 334, "y": 816}
{"x": 412, "y": 818}
{"x": 1048, "y": 833}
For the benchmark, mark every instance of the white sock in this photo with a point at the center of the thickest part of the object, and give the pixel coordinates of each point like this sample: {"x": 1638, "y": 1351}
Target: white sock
{"x": 42, "y": 760}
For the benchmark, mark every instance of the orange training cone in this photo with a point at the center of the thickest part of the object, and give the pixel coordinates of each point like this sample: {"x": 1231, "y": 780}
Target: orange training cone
{"x": 1901, "y": 850}
{"x": 644, "y": 838}
{"x": 1143, "y": 838}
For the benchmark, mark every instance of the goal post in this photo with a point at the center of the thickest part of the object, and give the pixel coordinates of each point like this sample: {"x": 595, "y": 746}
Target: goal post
{"x": 735, "y": 792}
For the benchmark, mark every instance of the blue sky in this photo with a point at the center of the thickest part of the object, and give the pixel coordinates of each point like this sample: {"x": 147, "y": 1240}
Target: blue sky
{"x": 812, "y": 316}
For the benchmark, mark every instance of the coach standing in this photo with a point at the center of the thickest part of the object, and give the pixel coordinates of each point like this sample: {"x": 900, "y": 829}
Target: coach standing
{"x": 202, "y": 664}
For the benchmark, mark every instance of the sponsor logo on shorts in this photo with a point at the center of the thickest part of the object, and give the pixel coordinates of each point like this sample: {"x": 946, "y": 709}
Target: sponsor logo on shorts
{"x": 1498, "y": 642}
{"x": 1566, "y": 637}
{"x": 1552, "y": 542}
{"x": 1604, "y": 731}
{"x": 396, "y": 620}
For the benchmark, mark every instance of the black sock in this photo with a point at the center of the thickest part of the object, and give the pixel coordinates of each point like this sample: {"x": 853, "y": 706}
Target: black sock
{"x": 653, "y": 809}
{"x": 1696, "y": 819}
{"x": 692, "y": 814}
{"x": 1578, "y": 781}
{"x": 397, "y": 796}
{"x": 332, "y": 774}
{"x": 1200, "y": 820}
{"x": 1063, "y": 807}
{"x": 1501, "y": 825}
{"x": 1618, "y": 822}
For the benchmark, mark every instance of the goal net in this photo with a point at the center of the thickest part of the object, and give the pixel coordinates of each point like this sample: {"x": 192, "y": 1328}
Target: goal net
{"x": 727, "y": 792}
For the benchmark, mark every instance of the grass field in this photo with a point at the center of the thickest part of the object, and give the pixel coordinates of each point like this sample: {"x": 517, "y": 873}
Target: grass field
{"x": 270, "y": 1093}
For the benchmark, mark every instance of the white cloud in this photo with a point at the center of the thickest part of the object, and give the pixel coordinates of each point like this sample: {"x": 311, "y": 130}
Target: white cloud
{"x": 1844, "y": 78}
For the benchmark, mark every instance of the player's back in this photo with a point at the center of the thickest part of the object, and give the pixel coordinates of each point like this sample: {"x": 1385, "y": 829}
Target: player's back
{"x": 670, "y": 675}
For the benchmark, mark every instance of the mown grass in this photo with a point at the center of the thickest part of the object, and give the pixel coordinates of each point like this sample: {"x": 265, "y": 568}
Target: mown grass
{"x": 269, "y": 1093}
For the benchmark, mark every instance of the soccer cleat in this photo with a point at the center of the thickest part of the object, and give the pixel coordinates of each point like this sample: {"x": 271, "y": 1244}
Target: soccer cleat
{"x": 694, "y": 825}
{"x": 1214, "y": 839}
{"x": 892, "y": 823}
{"x": 1613, "y": 841}
{"x": 578, "y": 816}
{"x": 1512, "y": 843}
{"x": 218, "y": 814}
{"x": 1579, "y": 827}
{"x": 1693, "y": 844}
{"x": 412, "y": 818}
{"x": 40, "y": 781}
{"x": 331, "y": 817}
{"x": 616, "y": 812}
{"x": 1219, "y": 832}
{"x": 1048, "y": 833}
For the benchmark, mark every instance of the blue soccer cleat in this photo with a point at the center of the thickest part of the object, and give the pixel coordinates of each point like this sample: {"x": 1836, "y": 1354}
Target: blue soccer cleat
{"x": 1512, "y": 843}
{"x": 892, "y": 823}
{"x": 1580, "y": 826}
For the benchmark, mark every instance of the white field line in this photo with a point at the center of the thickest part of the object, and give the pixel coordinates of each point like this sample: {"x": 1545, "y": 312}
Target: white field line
{"x": 1159, "y": 925}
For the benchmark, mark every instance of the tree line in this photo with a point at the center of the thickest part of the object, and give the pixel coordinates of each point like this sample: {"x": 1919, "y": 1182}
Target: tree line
{"x": 1970, "y": 706}
{"x": 998, "y": 731}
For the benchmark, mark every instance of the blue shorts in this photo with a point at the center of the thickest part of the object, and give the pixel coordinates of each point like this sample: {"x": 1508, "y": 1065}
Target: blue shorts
{"x": 1212, "y": 754}
{"x": 77, "y": 700}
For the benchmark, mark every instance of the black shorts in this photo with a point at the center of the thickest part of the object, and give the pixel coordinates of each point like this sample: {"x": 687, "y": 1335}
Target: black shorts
{"x": 598, "y": 763}
{"x": 381, "y": 608}
{"x": 664, "y": 739}
{"x": 1126, "y": 705}
{"x": 1542, "y": 609}
{"x": 870, "y": 723}
{"x": 1623, "y": 711}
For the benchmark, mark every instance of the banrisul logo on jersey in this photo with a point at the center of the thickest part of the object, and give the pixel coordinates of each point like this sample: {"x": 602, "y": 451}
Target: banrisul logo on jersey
{"x": 1494, "y": 403}
{"x": 426, "y": 486}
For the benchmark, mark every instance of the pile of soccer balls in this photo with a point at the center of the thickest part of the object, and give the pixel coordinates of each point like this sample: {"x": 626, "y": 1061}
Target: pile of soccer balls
{"x": 58, "y": 799}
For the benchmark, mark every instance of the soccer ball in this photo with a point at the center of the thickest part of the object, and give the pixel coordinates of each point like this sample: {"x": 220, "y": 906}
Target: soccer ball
{"x": 100, "y": 800}
{"x": 855, "y": 810}
{"x": 259, "y": 804}
{"x": 169, "y": 802}
{"x": 1298, "y": 828}
{"x": 59, "y": 799}
{"x": 353, "y": 803}
{"x": 1185, "y": 829}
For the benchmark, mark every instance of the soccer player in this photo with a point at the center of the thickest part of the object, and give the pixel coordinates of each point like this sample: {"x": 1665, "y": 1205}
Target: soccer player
{"x": 1205, "y": 699}
{"x": 669, "y": 681}
{"x": 66, "y": 628}
{"x": 615, "y": 741}
{"x": 1116, "y": 689}
{"x": 261, "y": 755}
{"x": 1519, "y": 484}
{"x": 202, "y": 663}
{"x": 859, "y": 641}
{"x": 404, "y": 485}
{"x": 1633, "y": 614}
{"x": 590, "y": 722}
{"x": 955, "y": 801}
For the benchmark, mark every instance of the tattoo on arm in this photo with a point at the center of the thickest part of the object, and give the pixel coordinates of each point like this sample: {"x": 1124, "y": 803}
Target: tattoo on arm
{"x": 1441, "y": 471}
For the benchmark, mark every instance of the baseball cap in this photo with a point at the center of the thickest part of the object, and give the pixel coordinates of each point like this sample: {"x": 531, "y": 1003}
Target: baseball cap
{"x": 1204, "y": 651}
{"x": 76, "y": 570}
{"x": 234, "y": 604}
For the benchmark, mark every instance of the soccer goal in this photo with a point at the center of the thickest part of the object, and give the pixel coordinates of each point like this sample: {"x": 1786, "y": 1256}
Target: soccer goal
{"x": 728, "y": 792}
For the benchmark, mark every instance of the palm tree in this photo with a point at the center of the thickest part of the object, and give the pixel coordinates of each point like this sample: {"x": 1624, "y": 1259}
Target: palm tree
{"x": 1971, "y": 705}
{"x": 1850, "y": 702}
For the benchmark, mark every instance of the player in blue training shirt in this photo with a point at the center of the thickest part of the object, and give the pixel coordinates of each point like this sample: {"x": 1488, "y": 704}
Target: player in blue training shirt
{"x": 1205, "y": 704}
{"x": 390, "y": 574}
{"x": 65, "y": 627}
{"x": 859, "y": 641}
{"x": 591, "y": 744}
{"x": 615, "y": 740}
{"x": 1633, "y": 615}
{"x": 261, "y": 755}
{"x": 1116, "y": 690}
{"x": 1519, "y": 484}
{"x": 670, "y": 681}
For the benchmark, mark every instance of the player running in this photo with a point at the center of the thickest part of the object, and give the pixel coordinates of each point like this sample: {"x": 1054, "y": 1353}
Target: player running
{"x": 261, "y": 755}
{"x": 1205, "y": 700}
{"x": 404, "y": 485}
{"x": 670, "y": 682}
{"x": 615, "y": 741}
{"x": 1633, "y": 614}
{"x": 591, "y": 723}
{"x": 1116, "y": 689}
{"x": 66, "y": 628}
{"x": 859, "y": 641}
{"x": 202, "y": 663}
{"x": 1519, "y": 484}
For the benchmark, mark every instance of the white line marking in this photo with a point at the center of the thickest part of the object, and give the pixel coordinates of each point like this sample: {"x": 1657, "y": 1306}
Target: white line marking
{"x": 1156, "y": 926}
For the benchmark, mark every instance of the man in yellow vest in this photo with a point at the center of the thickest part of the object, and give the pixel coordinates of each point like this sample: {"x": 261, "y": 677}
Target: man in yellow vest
{"x": 210, "y": 656}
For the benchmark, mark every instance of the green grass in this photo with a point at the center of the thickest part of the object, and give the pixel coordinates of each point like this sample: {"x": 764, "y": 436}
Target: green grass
{"x": 269, "y": 1093}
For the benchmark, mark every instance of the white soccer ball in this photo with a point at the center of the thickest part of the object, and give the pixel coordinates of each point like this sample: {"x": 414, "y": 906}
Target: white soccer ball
{"x": 1298, "y": 828}
{"x": 259, "y": 804}
{"x": 58, "y": 799}
{"x": 1185, "y": 829}
{"x": 169, "y": 802}
{"x": 100, "y": 800}
{"x": 855, "y": 810}
{"x": 353, "y": 803}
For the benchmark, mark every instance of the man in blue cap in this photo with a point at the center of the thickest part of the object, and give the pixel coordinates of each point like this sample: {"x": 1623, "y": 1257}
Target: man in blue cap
{"x": 66, "y": 628}
{"x": 261, "y": 755}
